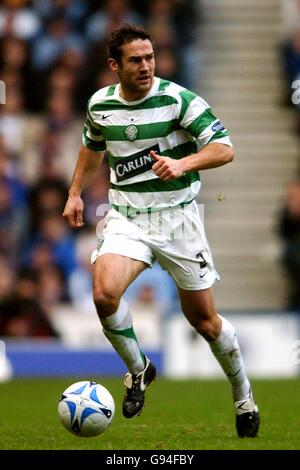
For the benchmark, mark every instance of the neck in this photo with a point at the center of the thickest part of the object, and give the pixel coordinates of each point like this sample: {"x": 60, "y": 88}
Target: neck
{"x": 130, "y": 95}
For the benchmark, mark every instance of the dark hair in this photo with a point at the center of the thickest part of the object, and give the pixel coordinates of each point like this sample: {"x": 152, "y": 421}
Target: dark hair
{"x": 127, "y": 33}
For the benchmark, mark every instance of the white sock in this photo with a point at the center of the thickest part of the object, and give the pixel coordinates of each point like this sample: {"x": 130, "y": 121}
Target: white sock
{"x": 227, "y": 352}
{"x": 118, "y": 329}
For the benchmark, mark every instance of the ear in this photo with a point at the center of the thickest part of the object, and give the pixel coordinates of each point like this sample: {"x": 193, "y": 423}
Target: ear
{"x": 113, "y": 64}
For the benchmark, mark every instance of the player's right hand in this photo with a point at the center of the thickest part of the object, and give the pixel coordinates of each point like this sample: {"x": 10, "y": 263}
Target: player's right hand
{"x": 73, "y": 211}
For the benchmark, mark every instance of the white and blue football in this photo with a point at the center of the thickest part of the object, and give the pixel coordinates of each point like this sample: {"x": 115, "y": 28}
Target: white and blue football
{"x": 86, "y": 409}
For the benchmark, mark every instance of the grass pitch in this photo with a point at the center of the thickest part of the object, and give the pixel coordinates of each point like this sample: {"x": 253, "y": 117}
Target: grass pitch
{"x": 179, "y": 415}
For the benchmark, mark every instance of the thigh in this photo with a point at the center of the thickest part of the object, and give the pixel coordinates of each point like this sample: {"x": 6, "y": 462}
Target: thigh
{"x": 113, "y": 273}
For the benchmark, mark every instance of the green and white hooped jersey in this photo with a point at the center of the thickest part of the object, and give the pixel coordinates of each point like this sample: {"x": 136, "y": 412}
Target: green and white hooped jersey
{"x": 171, "y": 120}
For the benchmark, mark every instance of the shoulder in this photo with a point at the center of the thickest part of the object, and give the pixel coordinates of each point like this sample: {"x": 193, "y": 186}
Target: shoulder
{"x": 100, "y": 96}
{"x": 168, "y": 88}
{"x": 182, "y": 95}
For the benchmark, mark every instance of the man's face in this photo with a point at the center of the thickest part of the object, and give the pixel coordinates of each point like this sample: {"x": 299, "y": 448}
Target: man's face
{"x": 136, "y": 70}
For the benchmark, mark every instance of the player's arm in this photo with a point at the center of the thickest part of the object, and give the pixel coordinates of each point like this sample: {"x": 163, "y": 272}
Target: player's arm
{"x": 211, "y": 156}
{"x": 88, "y": 162}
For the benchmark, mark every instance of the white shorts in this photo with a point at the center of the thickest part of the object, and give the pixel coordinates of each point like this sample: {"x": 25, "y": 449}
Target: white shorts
{"x": 175, "y": 237}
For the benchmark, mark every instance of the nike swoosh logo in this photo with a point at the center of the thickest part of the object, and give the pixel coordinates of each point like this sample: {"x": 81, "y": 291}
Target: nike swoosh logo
{"x": 104, "y": 117}
{"x": 240, "y": 406}
{"x": 203, "y": 275}
{"x": 232, "y": 375}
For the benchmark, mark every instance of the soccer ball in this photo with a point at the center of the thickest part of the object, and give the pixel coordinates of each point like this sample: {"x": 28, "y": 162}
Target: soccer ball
{"x": 86, "y": 409}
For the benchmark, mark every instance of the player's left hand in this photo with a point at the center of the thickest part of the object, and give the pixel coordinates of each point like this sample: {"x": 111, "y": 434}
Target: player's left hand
{"x": 166, "y": 168}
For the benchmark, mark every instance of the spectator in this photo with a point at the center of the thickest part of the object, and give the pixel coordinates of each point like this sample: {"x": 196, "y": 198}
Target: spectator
{"x": 153, "y": 286}
{"x": 6, "y": 278}
{"x": 16, "y": 71}
{"x": 7, "y": 234}
{"x": 105, "y": 77}
{"x": 289, "y": 229}
{"x": 92, "y": 82}
{"x": 80, "y": 282}
{"x": 72, "y": 11}
{"x": 13, "y": 80}
{"x": 48, "y": 52}
{"x": 290, "y": 10}
{"x": 187, "y": 23}
{"x": 160, "y": 23}
{"x": 13, "y": 120}
{"x": 96, "y": 194}
{"x": 20, "y": 314}
{"x": 51, "y": 288}
{"x": 187, "y": 19}
{"x": 112, "y": 16}
{"x": 61, "y": 81}
{"x": 10, "y": 178}
{"x": 166, "y": 65}
{"x": 291, "y": 58}
{"x": 172, "y": 24}
{"x": 54, "y": 42}
{"x": 13, "y": 208}
{"x": 42, "y": 257}
{"x": 14, "y": 54}
{"x": 54, "y": 137}
{"x": 19, "y": 20}
{"x": 47, "y": 197}
{"x": 54, "y": 233}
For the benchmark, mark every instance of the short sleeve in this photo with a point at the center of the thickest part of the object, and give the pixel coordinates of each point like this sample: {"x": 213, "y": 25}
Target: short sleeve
{"x": 92, "y": 136}
{"x": 197, "y": 118}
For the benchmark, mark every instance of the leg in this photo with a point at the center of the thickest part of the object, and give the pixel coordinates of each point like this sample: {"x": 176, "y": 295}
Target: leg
{"x": 112, "y": 275}
{"x": 199, "y": 309}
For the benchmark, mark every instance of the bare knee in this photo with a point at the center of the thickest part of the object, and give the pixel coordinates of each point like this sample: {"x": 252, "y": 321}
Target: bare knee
{"x": 106, "y": 300}
{"x": 208, "y": 328}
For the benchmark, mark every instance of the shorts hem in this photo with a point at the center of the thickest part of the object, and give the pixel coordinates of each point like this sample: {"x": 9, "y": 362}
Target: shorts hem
{"x": 97, "y": 254}
{"x": 200, "y": 287}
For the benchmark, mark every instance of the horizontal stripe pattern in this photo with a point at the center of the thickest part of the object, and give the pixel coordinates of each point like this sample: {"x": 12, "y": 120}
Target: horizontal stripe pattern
{"x": 202, "y": 122}
{"x": 154, "y": 200}
{"x": 96, "y": 143}
{"x": 180, "y": 151}
{"x": 157, "y": 185}
{"x": 150, "y": 103}
{"x": 176, "y": 119}
{"x": 145, "y": 131}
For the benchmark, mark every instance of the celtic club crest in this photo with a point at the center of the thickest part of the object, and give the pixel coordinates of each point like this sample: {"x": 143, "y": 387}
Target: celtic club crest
{"x": 131, "y": 132}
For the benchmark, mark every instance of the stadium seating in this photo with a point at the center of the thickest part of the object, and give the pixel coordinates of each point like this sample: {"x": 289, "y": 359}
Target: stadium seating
{"x": 242, "y": 81}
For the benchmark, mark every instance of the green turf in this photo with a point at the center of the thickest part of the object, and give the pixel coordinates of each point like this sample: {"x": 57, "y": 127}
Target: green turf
{"x": 179, "y": 415}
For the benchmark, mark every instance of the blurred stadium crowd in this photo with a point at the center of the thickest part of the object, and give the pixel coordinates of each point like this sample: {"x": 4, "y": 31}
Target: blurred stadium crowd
{"x": 52, "y": 58}
{"x": 289, "y": 218}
